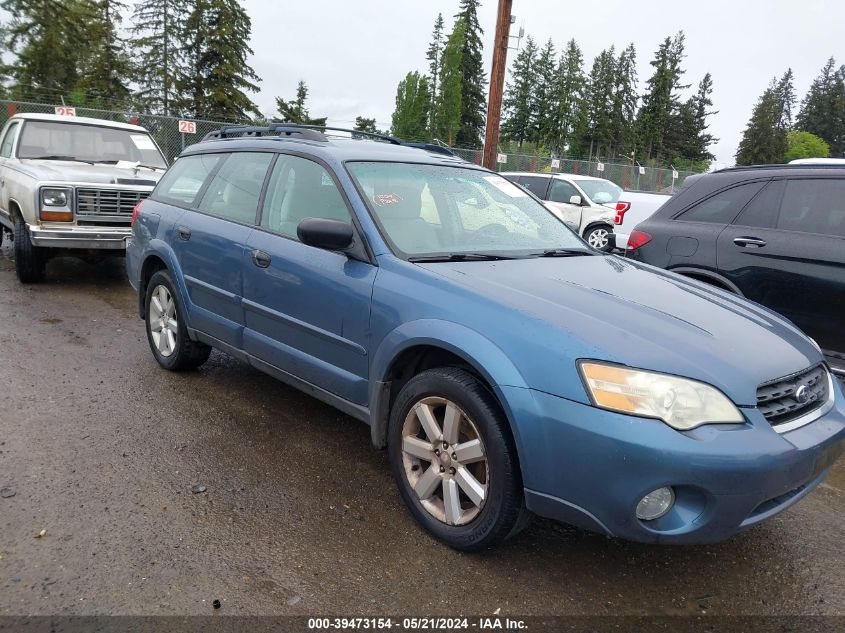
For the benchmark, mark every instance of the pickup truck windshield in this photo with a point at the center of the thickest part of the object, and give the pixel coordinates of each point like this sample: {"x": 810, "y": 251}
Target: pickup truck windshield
{"x": 434, "y": 210}
{"x": 49, "y": 140}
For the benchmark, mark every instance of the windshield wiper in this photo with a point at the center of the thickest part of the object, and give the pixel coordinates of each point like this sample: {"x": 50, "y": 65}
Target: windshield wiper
{"x": 59, "y": 157}
{"x": 115, "y": 162}
{"x": 458, "y": 257}
{"x": 563, "y": 252}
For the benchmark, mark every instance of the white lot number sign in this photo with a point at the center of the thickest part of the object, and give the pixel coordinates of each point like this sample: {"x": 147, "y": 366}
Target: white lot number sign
{"x": 600, "y": 167}
{"x": 642, "y": 171}
{"x": 555, "y": 163}
{"x": 65, "y": 110}
{"x": 674, "y": 175}
{"x": 501, "y": 158}
{"x": 188, "y": 127}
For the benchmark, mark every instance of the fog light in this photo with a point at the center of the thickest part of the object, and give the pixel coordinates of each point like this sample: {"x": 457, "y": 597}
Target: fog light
{"x": 655, "y": 504}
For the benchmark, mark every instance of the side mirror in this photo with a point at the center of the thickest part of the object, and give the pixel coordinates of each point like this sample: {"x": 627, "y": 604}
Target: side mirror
{"x": 331, "y": 235}
{"x": 576, "y": 200}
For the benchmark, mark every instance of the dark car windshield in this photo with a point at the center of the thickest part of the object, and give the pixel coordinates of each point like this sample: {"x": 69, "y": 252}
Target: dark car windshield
{"x": 435, "y": 209}
{"x": 57, "y": 140}
{"x": 600, "y": 191}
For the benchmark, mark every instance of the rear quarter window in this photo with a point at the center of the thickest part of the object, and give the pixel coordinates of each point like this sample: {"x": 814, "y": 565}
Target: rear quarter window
{"x": 183, "y": 181}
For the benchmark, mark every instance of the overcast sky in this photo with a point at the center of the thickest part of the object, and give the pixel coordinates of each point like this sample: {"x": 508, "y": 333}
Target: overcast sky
{"x": 352, "y": 54}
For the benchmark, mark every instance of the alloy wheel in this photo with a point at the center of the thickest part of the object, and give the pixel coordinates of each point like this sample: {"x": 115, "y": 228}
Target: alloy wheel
{"x": 445, "y": 460}
{"x": 162, "y": 321}
{"x": 598, "y": 238}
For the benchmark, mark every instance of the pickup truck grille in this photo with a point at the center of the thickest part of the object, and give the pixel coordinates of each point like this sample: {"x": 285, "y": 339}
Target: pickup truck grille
{"x": 115, "y": 204}
{"x": 788, "y": 398}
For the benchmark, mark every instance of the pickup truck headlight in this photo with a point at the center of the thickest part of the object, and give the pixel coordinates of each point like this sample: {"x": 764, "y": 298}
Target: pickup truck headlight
{"x": 681, "y": 403}
{"x": 53, "y": 197}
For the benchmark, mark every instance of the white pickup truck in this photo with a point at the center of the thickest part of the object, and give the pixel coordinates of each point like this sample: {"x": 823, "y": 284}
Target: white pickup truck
{"x": 640, "y": 206}
{"x": 71, "y": 183}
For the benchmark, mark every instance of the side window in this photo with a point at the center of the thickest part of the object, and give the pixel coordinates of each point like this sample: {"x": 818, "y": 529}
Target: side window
{"x": 814, "y": 206}
{"x": 182, "y": 182}
{"x": 299, "y": 189}
{"x": 723, "y": 207}
{"x": 537, "y": 185}
{"x": 562, "y": 191}
{"x": 233, "y": 192}
{"x": 9, "y": 140}
{"x": 763, "y": 210}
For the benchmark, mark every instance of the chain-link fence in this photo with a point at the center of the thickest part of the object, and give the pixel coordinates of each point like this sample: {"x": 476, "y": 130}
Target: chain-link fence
{"x": 164, "y": 129}
{"x": 627, "y": 176}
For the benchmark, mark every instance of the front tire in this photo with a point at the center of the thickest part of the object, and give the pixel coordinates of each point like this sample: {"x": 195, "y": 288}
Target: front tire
{"x": 454, "y": 460}
{"x": 167, "y": 333}
{"x": 599, "y": 237}
{"x": 30, "y": 260}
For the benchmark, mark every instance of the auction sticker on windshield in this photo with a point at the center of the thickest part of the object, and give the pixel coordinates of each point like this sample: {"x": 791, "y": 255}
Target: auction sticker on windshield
{"x": 506, "y": 186}
{"x": 142, "y": 141}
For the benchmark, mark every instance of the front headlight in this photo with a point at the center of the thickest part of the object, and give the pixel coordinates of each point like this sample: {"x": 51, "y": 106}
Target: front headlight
{"x": 51, "y": 197}
{"x": 681, "y": 403}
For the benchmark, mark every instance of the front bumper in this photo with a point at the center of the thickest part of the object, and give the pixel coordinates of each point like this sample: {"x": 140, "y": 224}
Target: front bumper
{"x": 94, "y": 237}
{"x": 589, "y": 467}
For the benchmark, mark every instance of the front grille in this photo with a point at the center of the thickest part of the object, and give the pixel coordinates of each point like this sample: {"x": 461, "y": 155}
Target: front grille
{"x": 780, "y": 401}
{"x": 107, "y": 202}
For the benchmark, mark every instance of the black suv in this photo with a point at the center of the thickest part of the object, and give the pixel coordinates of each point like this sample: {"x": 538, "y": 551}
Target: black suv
{"x": 774, "y": 234}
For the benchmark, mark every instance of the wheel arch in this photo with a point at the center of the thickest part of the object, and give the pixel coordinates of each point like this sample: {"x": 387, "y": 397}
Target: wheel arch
{"x": 708, "y": 277}
{"x": 420, "y": 345}
{"x": 159, "y": 257}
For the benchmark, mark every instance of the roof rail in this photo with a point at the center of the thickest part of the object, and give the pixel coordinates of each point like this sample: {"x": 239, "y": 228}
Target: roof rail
{"x": 819, "y": 166}
{"x": 311, "y": 133}
{"x": 434, "y": 149}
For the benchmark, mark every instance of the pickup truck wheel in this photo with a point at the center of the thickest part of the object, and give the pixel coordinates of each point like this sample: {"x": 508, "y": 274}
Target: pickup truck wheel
{"x": 454, "y": 460}
{"x": 30, "y": 260}
{"x": 166, "y": 331}
{"x": 599, "y": 237}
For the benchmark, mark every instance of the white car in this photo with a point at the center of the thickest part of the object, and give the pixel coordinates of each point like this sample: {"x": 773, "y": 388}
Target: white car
{"x": 585, "y": 202}
{"x": 638, "y": 207}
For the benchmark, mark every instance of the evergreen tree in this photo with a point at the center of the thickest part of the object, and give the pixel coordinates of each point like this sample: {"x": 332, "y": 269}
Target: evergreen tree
{"x": 661, "y": 98}
{"x": 106, "y": 68}
{"x": 823, "y": 109}
{"x": 434, "y": 55}
{"x": 363, "y": 124}
{"x": 447, "y": 120}
{"x": 571, "y": 88}
{"x": 700, "y": 140}
{"x": 624, "y": 102}
{"x": 48, "y": 39}
{"x": 599, "y": 104}
{"x": 159, "y": 32}
{"x": 295, "y": 111}
{"x": 219, "y": 76}
{"x": 543, "y": 132}
{"x": 413, "y": 101}
{"x": 519, "y": 102}
{"x": 473, "y": 78}
{"x": 764, "y": 140}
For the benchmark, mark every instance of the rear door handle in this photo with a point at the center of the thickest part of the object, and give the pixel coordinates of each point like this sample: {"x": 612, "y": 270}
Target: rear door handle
{"x": 750, "y": 241}
{"x": 260, "y": 259}
{"x": 184, "y": 233}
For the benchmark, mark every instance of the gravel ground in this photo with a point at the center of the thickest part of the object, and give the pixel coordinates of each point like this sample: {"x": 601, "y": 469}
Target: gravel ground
{"x": 299, "y": 514}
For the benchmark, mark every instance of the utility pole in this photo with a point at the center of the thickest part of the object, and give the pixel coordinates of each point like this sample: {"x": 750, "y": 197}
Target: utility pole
{"x": 497, "y": 83}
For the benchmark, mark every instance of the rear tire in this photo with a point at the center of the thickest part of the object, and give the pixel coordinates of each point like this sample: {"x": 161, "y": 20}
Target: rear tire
{"x": 30, "y": 260}
{"x": 167, "y": 333}
{"x": 463, "y": 485}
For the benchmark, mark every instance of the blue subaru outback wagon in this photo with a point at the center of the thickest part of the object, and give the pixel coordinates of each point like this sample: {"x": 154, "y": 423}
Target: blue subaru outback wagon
{"x": 507, "y": 367}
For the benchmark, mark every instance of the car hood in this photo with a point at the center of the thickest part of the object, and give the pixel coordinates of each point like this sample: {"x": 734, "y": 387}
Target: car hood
{"x": 76, "y": 172}
{"x": 613, "y": 309}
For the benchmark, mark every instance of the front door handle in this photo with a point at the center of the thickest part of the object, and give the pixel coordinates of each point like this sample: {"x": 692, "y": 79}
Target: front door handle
{"x": 260, "y": 259}
{"x": 184, "y": 233}
{"x": 750, "y": 241}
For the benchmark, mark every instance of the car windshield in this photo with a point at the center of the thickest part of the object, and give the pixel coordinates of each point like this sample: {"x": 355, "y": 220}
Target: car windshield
{"x": 431, "y": 210}
{"x": 56, "y": 140}
{"x": 600, "y": 191}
